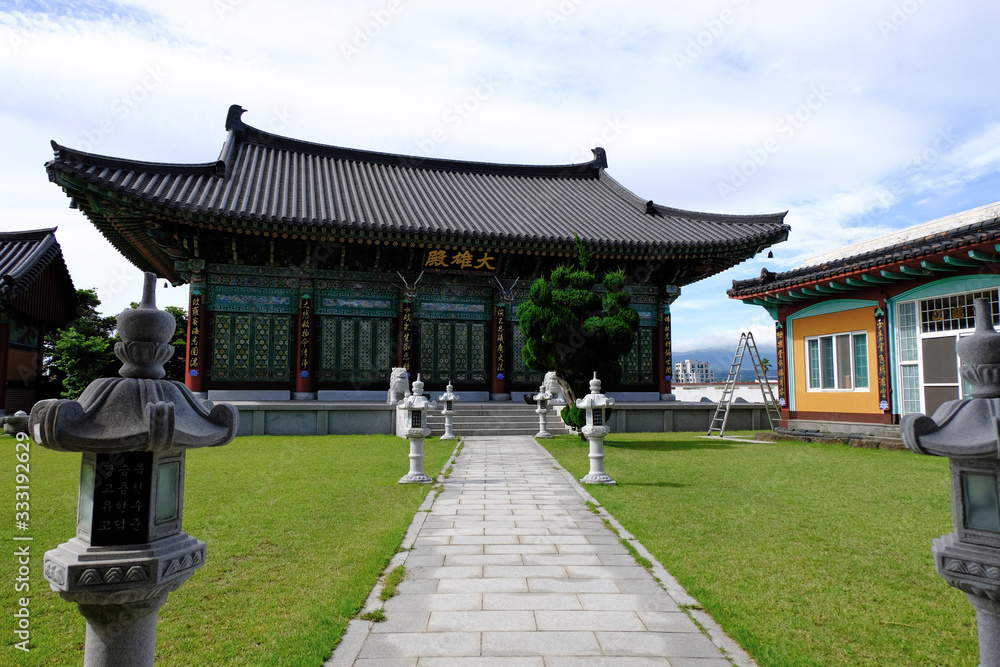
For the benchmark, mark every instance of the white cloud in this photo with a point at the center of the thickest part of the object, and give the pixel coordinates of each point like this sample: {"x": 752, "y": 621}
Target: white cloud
{"x": 566, "y": 69}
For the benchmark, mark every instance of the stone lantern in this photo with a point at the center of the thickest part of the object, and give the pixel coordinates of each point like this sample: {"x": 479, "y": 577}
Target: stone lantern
{"x": 594, "y": 403}
{"x": 542, "y": 399}
{"x": 968, "y": 432}
{"x": 414, "y": 410}
{"x": 448, "y": 398}
{"x": 129, "y": 551}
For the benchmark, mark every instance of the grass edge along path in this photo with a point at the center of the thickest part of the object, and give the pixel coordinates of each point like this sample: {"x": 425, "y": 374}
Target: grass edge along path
{"x": 805, "y": 554}
{"x": 299, "y": 529}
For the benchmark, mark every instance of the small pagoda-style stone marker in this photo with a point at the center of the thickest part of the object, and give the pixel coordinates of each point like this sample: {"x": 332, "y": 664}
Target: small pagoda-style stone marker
{"x": 542, "y": 399}
{"x": 129, "y": 551}
{"x": 415, "y": 407}
{"x": 966, "y": 431}
{"x": 448, "y": 398}
{"x": 595, "y": 431}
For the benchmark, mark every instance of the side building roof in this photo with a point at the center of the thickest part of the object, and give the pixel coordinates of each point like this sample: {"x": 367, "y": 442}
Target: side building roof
{"x": 275, "y": 184}
{"x": 959, "y": 242}
{"x": 34, "y": 278}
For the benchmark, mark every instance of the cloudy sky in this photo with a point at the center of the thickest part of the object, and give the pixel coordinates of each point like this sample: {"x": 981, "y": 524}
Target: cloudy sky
{"x": 858, "y": 117}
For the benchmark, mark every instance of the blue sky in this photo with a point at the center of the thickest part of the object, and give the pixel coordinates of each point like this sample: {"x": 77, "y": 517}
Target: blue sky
{"x": 858, "y": 117}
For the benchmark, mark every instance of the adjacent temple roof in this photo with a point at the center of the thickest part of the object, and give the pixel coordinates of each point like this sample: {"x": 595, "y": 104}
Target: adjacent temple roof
{"x": 276, "y": 184}
{"x": 34, "y": 278}
{"x": 963, "y": 241}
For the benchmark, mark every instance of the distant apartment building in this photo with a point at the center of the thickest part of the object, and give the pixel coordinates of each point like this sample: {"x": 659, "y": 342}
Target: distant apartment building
{"x": 692, "y": 370}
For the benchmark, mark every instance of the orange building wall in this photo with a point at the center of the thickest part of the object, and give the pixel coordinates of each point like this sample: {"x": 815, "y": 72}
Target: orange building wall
{"x": 858, "y": 402}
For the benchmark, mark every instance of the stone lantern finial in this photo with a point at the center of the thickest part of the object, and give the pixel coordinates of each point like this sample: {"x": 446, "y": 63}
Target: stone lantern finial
{"x": 595, "y": 384}
{"x": 980, "y": 354}
{"x": 145, "y": 332}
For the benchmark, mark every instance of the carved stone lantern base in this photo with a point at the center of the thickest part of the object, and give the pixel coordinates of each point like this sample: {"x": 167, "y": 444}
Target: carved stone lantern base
{"x": 120, "y": 590}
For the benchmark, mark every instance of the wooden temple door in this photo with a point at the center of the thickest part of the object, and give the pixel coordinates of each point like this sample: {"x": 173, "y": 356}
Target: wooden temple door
{"x": 356, "y": 349}
{"x": 453, "y": 350}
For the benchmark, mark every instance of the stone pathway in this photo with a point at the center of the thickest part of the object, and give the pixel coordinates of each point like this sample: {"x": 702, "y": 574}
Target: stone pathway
{"x": 509, "y": 567}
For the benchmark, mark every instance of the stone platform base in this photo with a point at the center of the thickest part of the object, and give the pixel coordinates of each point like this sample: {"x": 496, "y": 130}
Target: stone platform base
{"x": 368, "y": 418}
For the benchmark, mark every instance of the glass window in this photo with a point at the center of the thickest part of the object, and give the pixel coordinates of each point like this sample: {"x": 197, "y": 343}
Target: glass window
{"x": 911, "y": 389}
{"x": 861, "y": 361}
{"x": 908, "y": 331}
{"x": 813, "y": 346}
{"x": 826, "y": 362}
{"x": 838, "y": 361}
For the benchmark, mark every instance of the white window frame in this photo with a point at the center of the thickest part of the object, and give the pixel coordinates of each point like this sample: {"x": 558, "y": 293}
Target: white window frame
{"x": 851, "y": 337}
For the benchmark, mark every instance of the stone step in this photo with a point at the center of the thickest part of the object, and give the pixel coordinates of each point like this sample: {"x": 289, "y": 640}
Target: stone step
{"x": 502, "y": 419}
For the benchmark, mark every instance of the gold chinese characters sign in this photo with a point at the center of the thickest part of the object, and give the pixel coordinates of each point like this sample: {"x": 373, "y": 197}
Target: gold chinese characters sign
{"x": 194, "y": 337}
{"x": 461, "y": 259}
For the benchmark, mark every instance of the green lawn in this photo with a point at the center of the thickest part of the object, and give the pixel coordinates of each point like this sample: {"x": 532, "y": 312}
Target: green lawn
{"x": 298, "y": 531}
{"x": 806, "y": 554}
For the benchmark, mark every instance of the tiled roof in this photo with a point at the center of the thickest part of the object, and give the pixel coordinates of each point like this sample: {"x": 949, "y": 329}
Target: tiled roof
{"x": 909, "y": 252}
{"x": 23, "y": 258}
{"x": 276, "y": 182}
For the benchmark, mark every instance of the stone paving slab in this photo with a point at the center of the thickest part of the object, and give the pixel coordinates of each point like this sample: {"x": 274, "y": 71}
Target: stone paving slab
{"x": 507, "y": 566}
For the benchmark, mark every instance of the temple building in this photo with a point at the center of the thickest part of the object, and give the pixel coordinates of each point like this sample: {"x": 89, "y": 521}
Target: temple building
{"x": 867, "y": 333}
{"x": 36, "y": 296}
{"x": 315, "y": 269}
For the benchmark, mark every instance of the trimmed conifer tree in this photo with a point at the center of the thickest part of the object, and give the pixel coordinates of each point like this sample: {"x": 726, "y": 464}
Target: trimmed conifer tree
{"x": 570, "y": 329}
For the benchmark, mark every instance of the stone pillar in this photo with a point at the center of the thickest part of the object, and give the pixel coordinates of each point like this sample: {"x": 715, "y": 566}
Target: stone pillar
{"x": 304, "y": 365}
{"x": 195, "y": 365}
{"x": 498, "y": 379}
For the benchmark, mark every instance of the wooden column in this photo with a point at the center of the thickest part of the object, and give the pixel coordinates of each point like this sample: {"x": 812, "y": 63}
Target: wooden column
{"x": 304, "y": 380}
{"x": 664, "y": 356}
{"x": 195, "y": 364}
{"x": 405, "y": 334}
{"x": 780, "y": 344}
{"x": 498, "y": 378}
{"x": 882, "y": 359}
{"x": 4, "y": 363}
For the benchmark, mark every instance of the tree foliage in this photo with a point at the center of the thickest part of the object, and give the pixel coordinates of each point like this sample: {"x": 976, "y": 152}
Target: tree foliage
{"x": 85, "y": 350}
{"x": 570, "y": 329}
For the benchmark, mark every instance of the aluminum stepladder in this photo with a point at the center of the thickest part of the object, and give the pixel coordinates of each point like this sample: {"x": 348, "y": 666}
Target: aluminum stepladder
{"x": 746, "y": 344}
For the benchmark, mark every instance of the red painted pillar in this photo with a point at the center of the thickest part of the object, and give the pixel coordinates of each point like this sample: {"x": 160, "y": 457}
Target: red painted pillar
{"x": 195, "y": 366}
{"x": 498, "y": 378}
{"x": 304, "y": 365}
{"x": 664, "y": 356}
{"x": 783, "y": 369}
{"x": 406, "y": 336}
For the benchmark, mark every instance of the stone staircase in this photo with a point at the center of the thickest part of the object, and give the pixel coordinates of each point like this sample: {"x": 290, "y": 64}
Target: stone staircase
{"x": 496, "y": 418}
